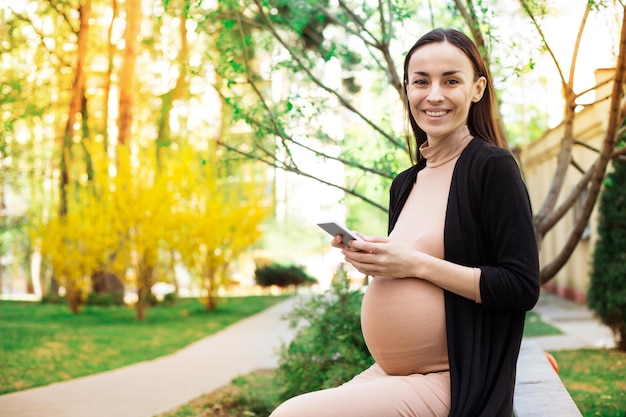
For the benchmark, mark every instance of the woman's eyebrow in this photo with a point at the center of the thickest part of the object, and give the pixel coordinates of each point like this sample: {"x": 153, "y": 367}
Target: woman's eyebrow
{"x": 446, "y": 73}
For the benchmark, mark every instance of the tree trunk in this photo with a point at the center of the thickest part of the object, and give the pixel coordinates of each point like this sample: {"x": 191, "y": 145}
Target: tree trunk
{"x": 144, "y": 290}
{"x": 74, "y": 299}
{"x": 107, "y": 82}
{"x": 598, "y": 170}
{"x": 3, "y": 223}
{"x": 127, "y": 72}
{"x": 210, "y": 285}
{"x": 621, "y": 339}
{"x": 167, "y": 100}
{"x": 75, "y": 103}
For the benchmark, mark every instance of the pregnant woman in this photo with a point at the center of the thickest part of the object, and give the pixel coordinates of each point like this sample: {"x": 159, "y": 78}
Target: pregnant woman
{"x": 444, "y": 314}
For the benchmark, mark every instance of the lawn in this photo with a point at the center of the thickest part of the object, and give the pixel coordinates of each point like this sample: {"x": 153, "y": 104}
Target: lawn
{"x": 45, "y": 343}
{"x": 536, "y": 327}
{"x": 596, "y": 380}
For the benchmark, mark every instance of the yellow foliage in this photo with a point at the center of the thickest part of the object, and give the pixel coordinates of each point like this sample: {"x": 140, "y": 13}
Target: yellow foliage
{"x": 78, "y": 243}
{"x": 138, "y": 208}
{"x": 219, "y": 215}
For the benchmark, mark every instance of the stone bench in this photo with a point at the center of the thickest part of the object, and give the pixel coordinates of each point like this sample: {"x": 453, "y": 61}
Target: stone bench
{"x": 539, "y": 391}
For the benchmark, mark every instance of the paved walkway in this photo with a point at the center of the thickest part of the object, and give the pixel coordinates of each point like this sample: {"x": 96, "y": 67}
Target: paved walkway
{"x": 153, "y": 387}
{"x": 581, "y": 329}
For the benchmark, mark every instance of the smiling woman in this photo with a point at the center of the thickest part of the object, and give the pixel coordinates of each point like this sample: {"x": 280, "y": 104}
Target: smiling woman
{"x": 444, "y": 314}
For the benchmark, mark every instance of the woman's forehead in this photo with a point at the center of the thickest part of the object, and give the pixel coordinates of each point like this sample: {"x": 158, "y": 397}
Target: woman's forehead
{"x": 441, "y": 57}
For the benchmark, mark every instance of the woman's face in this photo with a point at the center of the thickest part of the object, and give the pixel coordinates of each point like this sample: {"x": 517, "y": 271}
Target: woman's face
{"x": 441, "y": 88}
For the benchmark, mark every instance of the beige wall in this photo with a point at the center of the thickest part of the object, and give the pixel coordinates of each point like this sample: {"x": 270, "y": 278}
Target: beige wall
{"x": 538, "y": 161}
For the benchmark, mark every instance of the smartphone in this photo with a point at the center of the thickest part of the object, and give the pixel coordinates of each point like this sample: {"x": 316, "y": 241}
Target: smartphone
{"x": 334, "y": 229}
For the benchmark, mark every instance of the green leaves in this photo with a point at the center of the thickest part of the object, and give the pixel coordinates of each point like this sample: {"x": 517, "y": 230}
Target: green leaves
{"x": 607, "y": 291}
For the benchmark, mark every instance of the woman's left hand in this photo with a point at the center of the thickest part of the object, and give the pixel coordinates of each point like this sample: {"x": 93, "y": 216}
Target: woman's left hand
{"x": 380, "y": 256}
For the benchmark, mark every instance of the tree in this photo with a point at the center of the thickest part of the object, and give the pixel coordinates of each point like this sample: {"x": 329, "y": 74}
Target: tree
{"x": 607, "y": 292}
{"x": 71, "y": 94}
{"x": 308, "y": 40}
{"x": 128, "y": 71}
{"x": 218, "y": 216}
{"x": 77, "y": 243}
{"x": 142, "y": 197}
{"x": 550, "y": 213}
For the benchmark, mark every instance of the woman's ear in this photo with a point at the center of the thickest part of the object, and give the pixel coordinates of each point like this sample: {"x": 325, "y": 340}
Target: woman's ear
{"x": 479, "y": 89}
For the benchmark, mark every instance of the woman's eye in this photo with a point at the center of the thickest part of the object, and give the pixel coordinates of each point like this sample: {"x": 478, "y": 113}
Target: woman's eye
{"x": 419, "y": 82}
{"x": 452, "y": 81}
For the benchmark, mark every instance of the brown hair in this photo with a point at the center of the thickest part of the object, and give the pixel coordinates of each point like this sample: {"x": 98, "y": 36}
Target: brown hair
{"x": 482, "y": 118}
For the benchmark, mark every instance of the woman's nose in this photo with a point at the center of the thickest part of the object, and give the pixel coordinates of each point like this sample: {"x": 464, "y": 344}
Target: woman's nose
{"x": 435, "y": 93}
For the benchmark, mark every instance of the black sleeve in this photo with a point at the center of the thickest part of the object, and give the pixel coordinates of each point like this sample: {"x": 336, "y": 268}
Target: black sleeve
{"x": 510, "y": 279}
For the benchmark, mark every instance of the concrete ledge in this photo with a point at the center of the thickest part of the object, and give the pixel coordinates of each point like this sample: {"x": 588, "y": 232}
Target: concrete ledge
{"x": 539, "y": 391}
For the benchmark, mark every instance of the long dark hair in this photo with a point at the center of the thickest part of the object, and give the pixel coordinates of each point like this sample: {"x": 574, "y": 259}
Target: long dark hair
{"x": 482, "y": 119}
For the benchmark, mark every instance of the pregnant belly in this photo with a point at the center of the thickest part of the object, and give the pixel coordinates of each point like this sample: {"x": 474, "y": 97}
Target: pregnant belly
{"x": 403, "y": 322}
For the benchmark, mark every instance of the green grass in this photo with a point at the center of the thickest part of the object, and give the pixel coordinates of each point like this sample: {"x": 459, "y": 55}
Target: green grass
{"x": 595, "y": 379}
{"x": 45, "y": 343}
{"x": 247, "y": 396}
{"x": 534, "y": 326}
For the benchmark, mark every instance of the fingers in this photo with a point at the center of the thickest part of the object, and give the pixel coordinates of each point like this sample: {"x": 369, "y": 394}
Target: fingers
{"x": 337, "y": 242}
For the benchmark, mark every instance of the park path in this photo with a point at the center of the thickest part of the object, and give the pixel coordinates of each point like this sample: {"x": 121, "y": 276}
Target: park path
{"x": 153, "y": 387}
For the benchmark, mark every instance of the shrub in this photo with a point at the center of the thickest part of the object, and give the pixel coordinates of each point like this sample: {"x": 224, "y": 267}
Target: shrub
{"x": 607, "y": 291}
{"x": 282, "y": 276}
{"x": 328, "y": 348}
{"x": 52, "y": 299}
{"x": 170, "y": 299}
{"x": 106, "y": 299}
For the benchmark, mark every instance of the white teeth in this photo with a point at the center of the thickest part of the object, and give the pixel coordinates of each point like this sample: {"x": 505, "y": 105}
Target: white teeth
{"x": 436, "y": 113}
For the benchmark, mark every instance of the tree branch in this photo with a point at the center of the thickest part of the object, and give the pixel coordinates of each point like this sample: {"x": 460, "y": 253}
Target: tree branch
{"x": 323, "y": 86}
{"x": 305, "y": 174}
{"x": 347, "y": 162}
{"x": 530, "y": 14}
{"x": 599, "y": 168}
{"x": 57, "y": 8}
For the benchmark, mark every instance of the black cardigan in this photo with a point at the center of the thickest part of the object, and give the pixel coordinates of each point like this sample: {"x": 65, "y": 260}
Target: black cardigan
{"x": 488, "y": 225}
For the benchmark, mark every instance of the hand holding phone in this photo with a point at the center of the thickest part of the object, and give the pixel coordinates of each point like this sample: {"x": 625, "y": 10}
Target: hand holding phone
{"x": 334, "y": 229}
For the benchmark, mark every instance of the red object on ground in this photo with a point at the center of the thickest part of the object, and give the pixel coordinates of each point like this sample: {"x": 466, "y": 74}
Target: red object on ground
{"x": 552, "y": 361}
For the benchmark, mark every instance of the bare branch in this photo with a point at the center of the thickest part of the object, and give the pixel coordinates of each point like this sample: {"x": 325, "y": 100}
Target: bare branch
{"x": 357, "y": 20}
{"x": 556, "y": 215}
{"x": 42, "y": 36}
{"x": 595, "y": 88}
{"x": 577, "y": 166}
{"x": 532, "y": 17}
{"x": 251, "y": 82}
{"x": 372, "y": 43}
{"x": 389, "y": 37}
{"x": 579, "y": 37}
{"x": 586, "y": 145}
{"x": 598, "y": 170}
{"x": 344, "y": 161}
{"x": 54, "y": 4}
{"x": 350, "y": 191}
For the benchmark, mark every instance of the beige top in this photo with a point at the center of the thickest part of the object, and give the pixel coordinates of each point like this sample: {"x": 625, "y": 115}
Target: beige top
{"x": 403, "y": 319}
